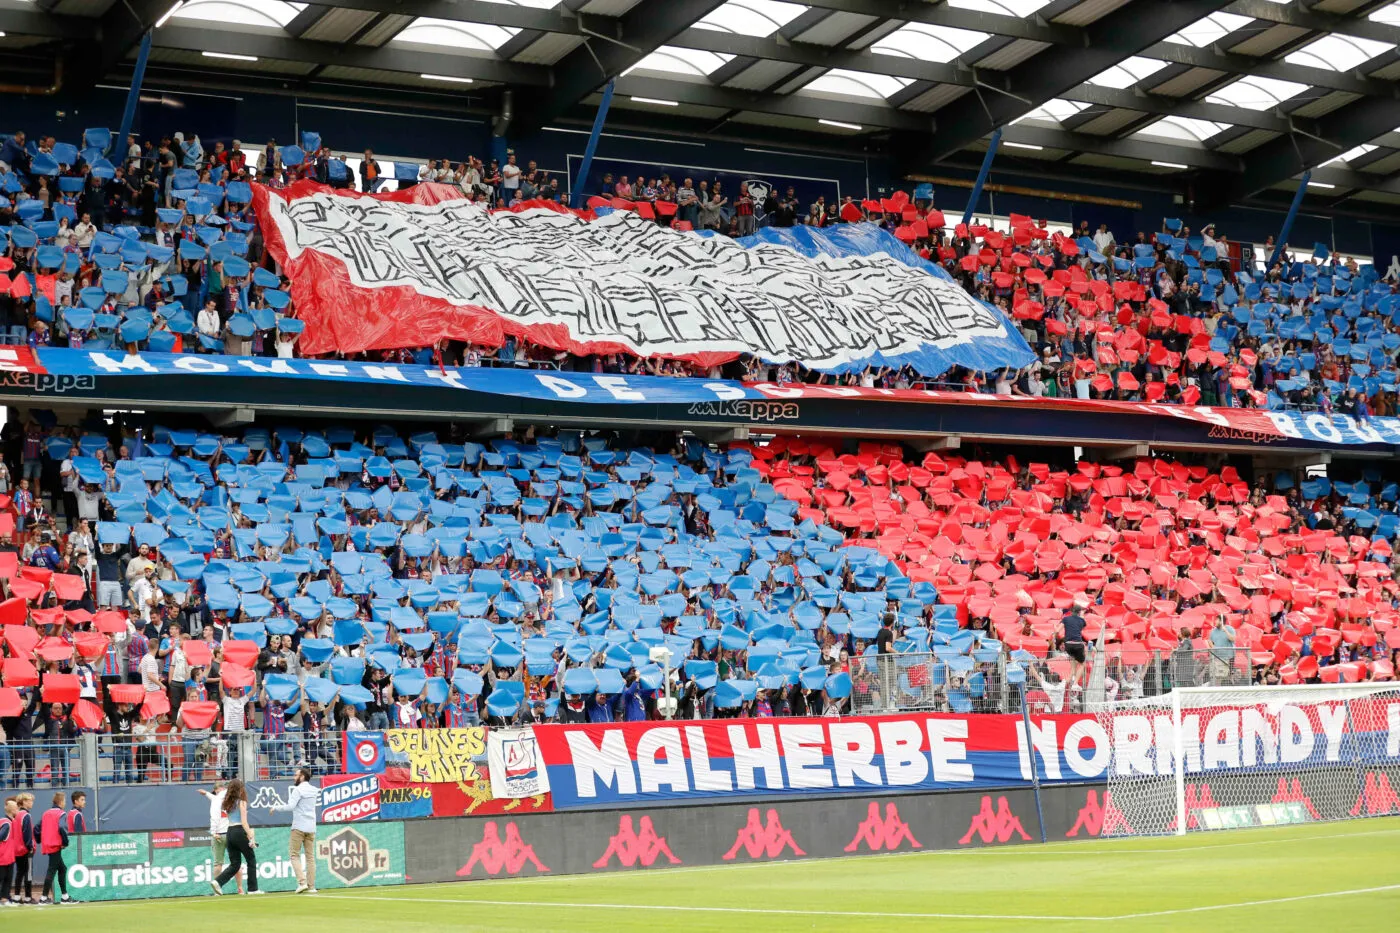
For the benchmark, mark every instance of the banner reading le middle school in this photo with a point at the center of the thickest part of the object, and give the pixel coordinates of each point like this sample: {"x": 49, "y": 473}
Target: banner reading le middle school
{"x": 118, "y": 866}
{"x": 641, "y": 763}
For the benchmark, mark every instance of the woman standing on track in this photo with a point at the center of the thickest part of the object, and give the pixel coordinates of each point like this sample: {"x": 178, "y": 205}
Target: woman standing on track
{"x": 22, "y": 825}
{"x": 7, "y": 849}
{"x": 241, "y": 839}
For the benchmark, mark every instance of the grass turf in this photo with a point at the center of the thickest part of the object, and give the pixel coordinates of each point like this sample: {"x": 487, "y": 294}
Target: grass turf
{"x": 1305, "y": 878}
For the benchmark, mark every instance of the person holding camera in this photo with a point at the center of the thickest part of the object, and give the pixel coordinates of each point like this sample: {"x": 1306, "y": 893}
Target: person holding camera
{"x": 218, "y": 828}
{"x": 241, "y": 839}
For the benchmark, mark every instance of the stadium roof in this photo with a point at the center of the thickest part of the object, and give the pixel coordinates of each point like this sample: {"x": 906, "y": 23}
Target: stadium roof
{"x": 1229, "y": 99}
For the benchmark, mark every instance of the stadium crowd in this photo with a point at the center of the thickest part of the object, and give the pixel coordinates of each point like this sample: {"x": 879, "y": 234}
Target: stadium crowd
{"x": 300, "y": 583}
{"x": 159, "y": 250}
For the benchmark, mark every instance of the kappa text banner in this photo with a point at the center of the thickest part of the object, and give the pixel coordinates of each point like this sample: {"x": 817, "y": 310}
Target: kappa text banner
{"x": 78, "y": 373}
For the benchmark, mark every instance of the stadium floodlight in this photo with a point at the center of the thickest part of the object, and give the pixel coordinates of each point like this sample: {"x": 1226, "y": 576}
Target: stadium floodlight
{"x": 657, "y": 101}
{"x": 451, "y": 78}
{"x": 1176, "y": 165}
{"x": 231, "y": 56}
{"x": 1204, "y": 758}
{"x": 1031, "y": 146}
{"x": 842, "y": 126}
{"x": 169, "y": 13}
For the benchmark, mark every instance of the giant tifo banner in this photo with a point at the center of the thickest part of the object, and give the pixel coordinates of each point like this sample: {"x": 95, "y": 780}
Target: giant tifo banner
{"x": 177, "y": 863}
{"x": 52, "y": 374}
{"x": 642, "y": 763}
{"x": 406, "y": 269}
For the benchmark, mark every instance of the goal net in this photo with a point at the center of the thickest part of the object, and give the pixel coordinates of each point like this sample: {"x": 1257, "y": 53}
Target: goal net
{"x": 1205, "y": 758}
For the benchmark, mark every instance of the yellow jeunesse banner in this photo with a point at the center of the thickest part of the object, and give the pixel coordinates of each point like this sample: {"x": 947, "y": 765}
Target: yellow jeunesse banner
{"x": 437, "y": 755}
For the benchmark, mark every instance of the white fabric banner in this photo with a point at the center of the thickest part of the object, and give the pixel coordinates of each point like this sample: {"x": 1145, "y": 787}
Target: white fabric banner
{"x": 625, "y": 280}
{"x": 514, "y": 762}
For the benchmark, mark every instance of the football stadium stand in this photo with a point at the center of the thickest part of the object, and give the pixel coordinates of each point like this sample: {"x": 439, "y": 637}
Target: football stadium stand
{"x": 174, "y": 575}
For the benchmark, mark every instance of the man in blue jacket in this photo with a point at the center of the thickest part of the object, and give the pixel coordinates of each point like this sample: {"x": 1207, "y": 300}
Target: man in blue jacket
{"x": 13, "y": 153}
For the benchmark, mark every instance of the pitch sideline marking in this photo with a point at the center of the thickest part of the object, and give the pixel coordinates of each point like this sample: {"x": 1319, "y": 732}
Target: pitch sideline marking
{"x": 887, "y": 915}
{"x": 1055, "y": 848}
{"x": 1261, "y": 903}
{"x": 716, "y": 910}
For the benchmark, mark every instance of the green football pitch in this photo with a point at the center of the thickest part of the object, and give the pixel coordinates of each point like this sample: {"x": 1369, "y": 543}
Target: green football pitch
{"x": 1315, "y": 878}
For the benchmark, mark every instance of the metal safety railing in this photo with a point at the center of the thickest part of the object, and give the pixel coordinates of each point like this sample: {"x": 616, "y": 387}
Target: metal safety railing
{"x": 279, "y": 756}
{"x": 1110, "y": 674}
{"x": 519, "y": 363}
{"x": 167, "y": 757}
{"x": 39, "y": 764}
{"x": 197, "y": 757}
{"x": 938, "y": 681}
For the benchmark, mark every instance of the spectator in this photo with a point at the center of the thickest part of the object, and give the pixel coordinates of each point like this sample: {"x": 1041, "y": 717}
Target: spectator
{"x": 371, "y": 176}
{"x": 510, "y": 177}
{"x": 1222, "y": 652}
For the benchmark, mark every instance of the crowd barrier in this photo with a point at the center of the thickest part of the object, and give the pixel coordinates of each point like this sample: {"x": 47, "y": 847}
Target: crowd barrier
{"x": 177, "y": 863}
{"x": 473, "y": 771}
{"x": 729, "y": 792}
{"x": 661, "y": 837}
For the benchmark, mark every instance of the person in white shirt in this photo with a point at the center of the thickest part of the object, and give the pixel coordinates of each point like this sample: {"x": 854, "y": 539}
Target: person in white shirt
{"x": 142, "y": 594}
{"x": 89, "y": 503}
{"x": 84, "y": 232}
{"x": 1054, "y": 689}
{"x": 1103, "y": 240}
{"x": 208, "y": 320}
{"x": 68, "y": 477}
{"x": 150, "y": 668}
{"x": 469, "y": 175}
{"x": 218, "y": 829}
{"x": 1035, "y": 386}
{"x": 510, "y": 177}
{"x": 302, "y": 800}
{"x": 63, "y": 238}
{"x": 286, "y": 345}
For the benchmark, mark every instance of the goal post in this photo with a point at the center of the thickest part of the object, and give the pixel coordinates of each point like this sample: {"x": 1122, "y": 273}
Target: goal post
{"x": 1207, "y": 758}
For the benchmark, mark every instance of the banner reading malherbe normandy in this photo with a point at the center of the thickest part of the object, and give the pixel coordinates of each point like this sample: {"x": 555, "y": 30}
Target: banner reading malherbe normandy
{"x": 643, "y": 763}
{"x": 118, "y": 866}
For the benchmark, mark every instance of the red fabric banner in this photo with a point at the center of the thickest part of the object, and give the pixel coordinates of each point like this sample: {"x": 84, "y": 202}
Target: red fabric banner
{"x": 61, "y": 688}
{"x": 199, "y": 714}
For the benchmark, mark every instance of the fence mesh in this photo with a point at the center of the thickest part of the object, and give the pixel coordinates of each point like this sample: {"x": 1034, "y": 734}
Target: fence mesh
{"x": 38, "y": 764}
{"x": 929, "y": 681}
{"x": 1222, "y": 758}
{"x": 166, "y": 758}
